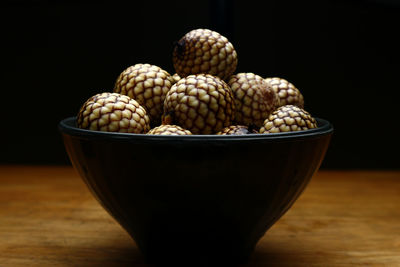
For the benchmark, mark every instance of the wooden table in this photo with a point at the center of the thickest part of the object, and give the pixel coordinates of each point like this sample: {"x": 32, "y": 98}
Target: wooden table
{"x": 344, "y": 218}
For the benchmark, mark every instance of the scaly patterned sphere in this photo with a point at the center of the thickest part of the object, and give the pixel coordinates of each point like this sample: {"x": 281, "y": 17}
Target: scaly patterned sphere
{"x": 287, "y": 119}
{"x": 204, "y": 51}
{"x": 254, "y": 98}
{"x": 176, "y": 77}
{"x": 287, "y": 92}
{"x": 112, "y": 112}
{"x": 169, "y": 130}
{"x": 201, "y": 103}
{"x": 236, "y": 130}
{"x": 148, "y": 85}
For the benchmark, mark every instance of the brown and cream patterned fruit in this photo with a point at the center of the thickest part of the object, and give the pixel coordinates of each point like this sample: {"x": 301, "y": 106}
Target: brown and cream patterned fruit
{"x": 287, "y": 119}
{"x": 237, "y": 130}
{"x": 176, "y": 77}
{"x": 169, "y": 130}
{"x": 287, "y": 92}
{"x": 201, "y": 103}
{"x": 254, "y": 98}
{"x": 204, "y": 51}
{"x": 148, "y": 85}
{"x": 112, "y": 112}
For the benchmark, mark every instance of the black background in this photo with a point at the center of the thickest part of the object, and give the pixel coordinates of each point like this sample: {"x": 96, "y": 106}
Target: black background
{"x": 342, "y": 55}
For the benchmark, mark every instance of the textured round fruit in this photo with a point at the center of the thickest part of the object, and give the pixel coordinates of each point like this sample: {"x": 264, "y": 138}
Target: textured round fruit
{"x": 148, "y": 85}
{"x": 169, "y": 130}
{"x": 254, "y": 98}
{"x": 112, "y": 112}
{"x": 176, "y": 77}
{"x": 287, "y": 119}
{"x": 287, "y": 92}
{"x": 201, "y": 103}
{"x": 237, "y": 130}
{"x": 204, "y": 51}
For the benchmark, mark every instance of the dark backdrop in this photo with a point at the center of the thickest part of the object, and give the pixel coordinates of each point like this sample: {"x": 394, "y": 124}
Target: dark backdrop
{"x": 340, "y": 54}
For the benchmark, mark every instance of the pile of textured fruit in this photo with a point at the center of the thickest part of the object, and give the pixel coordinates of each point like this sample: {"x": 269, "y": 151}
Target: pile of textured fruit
{"x": 204, "y": 96}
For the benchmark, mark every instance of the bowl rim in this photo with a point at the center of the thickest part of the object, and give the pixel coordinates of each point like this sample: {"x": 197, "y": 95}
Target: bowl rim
{"x": 68, "y": 126}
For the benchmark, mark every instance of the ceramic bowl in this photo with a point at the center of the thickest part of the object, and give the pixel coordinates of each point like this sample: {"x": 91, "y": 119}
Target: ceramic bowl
{"x": 201, "y": 198}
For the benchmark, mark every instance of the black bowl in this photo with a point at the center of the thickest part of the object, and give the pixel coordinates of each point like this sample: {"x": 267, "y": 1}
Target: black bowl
{"x": 201, "y": 198}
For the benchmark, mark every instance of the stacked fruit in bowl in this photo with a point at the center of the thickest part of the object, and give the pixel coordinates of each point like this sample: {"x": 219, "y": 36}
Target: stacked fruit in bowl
{"x": 198, "y": 165}
{"x": 204, "y": 97}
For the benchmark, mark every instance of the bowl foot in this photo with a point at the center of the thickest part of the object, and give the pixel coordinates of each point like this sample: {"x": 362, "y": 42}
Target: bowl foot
{"x": 201, "y": 249}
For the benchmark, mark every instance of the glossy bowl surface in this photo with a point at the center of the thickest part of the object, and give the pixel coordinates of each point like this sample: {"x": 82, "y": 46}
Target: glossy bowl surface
{"x": 201, "y": 198}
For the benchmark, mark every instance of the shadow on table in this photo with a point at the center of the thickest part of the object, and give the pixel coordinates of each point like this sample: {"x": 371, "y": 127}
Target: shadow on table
{"x": 113, "y": 255}
{"x": 276, "y": 253}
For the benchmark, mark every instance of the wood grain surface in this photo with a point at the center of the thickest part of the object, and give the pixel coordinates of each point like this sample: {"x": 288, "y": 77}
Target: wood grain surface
{"x": 344, "y": 218}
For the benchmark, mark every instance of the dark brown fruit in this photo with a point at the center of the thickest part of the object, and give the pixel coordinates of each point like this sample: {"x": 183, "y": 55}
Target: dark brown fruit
{"x": 112, "y": 112}
{"x": 237, "y": 130}
{"x": 254, "y": 98}
{"x": 204, "y": 51}
{"x": 287, "y": 119}
{"x": 202, "y": 104}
